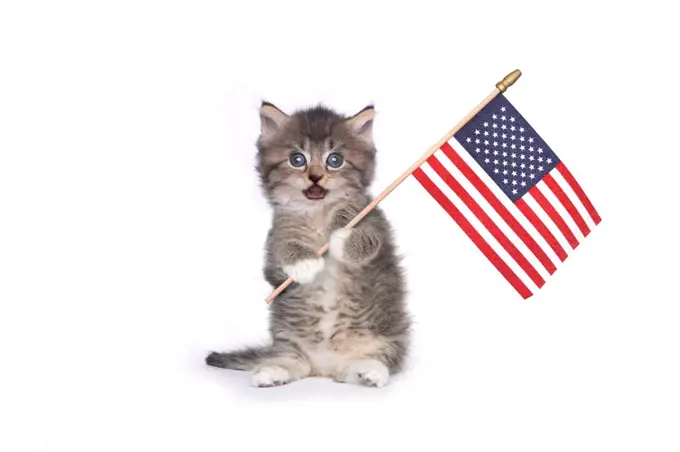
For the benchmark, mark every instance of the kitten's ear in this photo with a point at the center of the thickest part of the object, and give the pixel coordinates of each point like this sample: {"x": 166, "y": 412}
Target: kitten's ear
{"x": 361, "y": 123}
{"x": 271, "y": 119}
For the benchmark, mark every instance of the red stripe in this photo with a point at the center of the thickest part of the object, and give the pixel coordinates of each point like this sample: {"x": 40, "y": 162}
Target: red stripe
{"x": 579, "y": 192}
{"x": 504, "y": 213}
{"x": 541, "y": 228}
{"x": 554, "y": 216}
{"x": 566, "y": 202}
{"x": 470, "y": 231}
{"x": 486, "y": 221}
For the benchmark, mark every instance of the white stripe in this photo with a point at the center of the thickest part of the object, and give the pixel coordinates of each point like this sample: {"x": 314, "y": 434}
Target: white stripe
{"x": 547, "y": 221}
{"x": 493, "y": 215}
{"x": 479, "y": 227}
{"x": 562, "y": 182}
{"x": 503, "y": 198}
{"x": 561, "y": 210}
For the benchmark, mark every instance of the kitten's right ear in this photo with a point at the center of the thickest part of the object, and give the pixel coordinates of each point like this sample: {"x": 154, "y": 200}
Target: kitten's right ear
{"x": 271, "y": 119}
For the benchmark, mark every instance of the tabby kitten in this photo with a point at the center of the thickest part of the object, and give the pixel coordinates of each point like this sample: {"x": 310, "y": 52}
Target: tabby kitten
{"x": 344, "y": 317}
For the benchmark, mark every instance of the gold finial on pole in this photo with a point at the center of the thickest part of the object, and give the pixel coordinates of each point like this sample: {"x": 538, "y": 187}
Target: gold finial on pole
{"x": 509, "y": 80}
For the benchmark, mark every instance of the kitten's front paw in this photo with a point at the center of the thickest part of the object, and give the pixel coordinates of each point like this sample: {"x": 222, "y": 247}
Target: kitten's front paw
{"x": 268, "y": 376}
{"x": 305, "y": 270}
{"x": 336, "y": 245}
{"x": 369, "y": 372}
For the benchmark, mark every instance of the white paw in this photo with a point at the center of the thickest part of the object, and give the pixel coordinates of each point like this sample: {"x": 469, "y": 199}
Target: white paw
{"x": 369, "y": 373}
{"x": 305, "y": 270}
{"x": 270, "y": 376}
{"x": 336, "y": 245}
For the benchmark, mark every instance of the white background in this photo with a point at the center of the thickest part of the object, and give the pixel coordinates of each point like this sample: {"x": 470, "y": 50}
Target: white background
{"x": 132, "y": 224}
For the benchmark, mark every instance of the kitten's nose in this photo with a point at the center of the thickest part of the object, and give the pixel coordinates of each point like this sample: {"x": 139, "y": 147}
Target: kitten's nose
{"x": 315, "y": 177}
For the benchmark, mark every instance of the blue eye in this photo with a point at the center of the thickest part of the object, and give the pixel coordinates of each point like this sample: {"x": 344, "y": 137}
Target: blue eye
{"x": 335, "y": 160}
{"x": 297, "y": 160}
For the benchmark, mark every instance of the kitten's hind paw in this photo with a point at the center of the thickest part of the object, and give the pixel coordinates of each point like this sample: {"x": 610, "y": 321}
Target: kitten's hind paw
{"x": 305, "y": 270}
{"x": 269, "y": 376}
{"x": 369, "y": 372}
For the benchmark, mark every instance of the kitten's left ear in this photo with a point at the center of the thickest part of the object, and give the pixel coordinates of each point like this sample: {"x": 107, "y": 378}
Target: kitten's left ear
{"x": 361, "y": 123}
{"x": 272, "y": 119}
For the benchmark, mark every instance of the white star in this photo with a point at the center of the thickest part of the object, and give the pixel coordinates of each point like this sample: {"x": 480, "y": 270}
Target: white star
{"x": 540, "y": 150}
{"x": 495, "y": 143}
{"x": 505, "y": 181}
{"x": 495, "y": 152}
{"x": 540, "y": 168}
{"x": 468, "y": 139}
{"x": 502, "y": 108}
{"x": 503, "y": 118}
{"x": 486, "y": 133}
{"x": 512, "y": 137}
{"x": 514, "y": 182}
{"x": 504, "y": 136}
{"x": 486, "y": 124}
{"x": 531, "y": 167}
{"x": 514, "y": 155}
{"x": 477, "y": 150}
{"x": 549, "y": 160}
{"x": 522, "y": 156}
{"x": 495, "y": 162}
{"x": 505, "y": 145}
{"x": 486, "y": 151}
{"x": 524, "y": 184}
{"x": 540, "y": 159}
{"x": 512, "y": 119}
{"x": 476, "y": 132}
{"x": 522, "y": 166}
{"x": 531, "y": 157}
{"x": 495, "y": 134}
{"x": 495, "y": 170}
{"x": 532, "y": 176}
{"x": 514, "y": 173}
{"x": 514, "y": 164}
{"x": 521, "y": 138}
{"x": 521, "y": 129}
{"x": 512, "y": 128}
{"x": 486, "y": 142}
{"x": 495, "y": 126}
{"x": 513, "y": 146}
{"x": 505, "y": 171}
{"x": 531, "y": 149}
{"x": 494, "y": 116}
{"x": 505, "y": 154}
{"x": 521, "y": 148}
{"x": 477, "y": 141}
{"x": 503, "y": 127}
{"x": 531, "y": 140}
{"x": 524, "y": 174}
{"x": 505, "y": 163}
{"x": 486, "y": 160}
{"x": 514, "y": 191}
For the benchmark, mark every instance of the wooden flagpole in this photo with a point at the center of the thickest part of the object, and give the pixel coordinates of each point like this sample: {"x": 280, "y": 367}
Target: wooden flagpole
{"x": 501, "y": 87}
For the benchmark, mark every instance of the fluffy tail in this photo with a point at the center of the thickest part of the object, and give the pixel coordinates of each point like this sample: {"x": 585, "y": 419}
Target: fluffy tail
{"x": 244, "y": 359}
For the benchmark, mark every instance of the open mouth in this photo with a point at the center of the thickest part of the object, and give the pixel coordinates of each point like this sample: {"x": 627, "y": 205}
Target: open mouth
{"x": 315, "y": 192}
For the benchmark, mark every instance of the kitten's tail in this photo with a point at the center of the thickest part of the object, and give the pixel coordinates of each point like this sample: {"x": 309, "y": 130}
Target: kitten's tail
{"x": 244, "y": 359}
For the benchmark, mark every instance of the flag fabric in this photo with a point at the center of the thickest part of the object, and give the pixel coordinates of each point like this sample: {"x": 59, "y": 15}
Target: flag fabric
{"x": 510, "y": 194}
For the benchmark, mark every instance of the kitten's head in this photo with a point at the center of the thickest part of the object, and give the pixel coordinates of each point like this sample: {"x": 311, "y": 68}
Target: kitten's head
{"x": 314, "y": 156}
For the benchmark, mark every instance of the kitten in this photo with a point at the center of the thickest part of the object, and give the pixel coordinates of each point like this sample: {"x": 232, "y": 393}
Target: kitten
{"x": 344, "y": 316}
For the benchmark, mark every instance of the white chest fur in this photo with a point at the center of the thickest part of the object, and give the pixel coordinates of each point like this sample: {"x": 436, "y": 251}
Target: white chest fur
{"x": 323, "y": 358}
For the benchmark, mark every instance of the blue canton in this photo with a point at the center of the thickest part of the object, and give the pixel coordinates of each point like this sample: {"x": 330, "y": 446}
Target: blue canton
{"x": 508, "y": 149}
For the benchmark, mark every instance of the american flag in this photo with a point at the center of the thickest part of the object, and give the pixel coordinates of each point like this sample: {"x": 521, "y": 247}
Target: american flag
{"x": 511, "y": 194}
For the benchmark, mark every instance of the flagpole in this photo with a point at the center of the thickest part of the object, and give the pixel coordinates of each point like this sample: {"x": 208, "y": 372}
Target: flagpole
{"x": 501, "y": 87}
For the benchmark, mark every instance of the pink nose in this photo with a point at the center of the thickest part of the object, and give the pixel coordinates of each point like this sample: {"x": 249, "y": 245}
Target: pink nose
{"x": 315, "y": 178}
